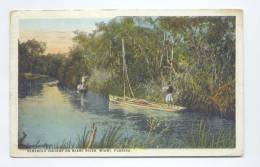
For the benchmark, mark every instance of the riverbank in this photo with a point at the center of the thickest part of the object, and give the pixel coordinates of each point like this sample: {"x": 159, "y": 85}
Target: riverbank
{"x": 31, "y": 84}
{"x": 30, "y": 76}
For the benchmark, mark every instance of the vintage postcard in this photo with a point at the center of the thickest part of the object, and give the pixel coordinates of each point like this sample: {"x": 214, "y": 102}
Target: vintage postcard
{"x": 126, "y": 83}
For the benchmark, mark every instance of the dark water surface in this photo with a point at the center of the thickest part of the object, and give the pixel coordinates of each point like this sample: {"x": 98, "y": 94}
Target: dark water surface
{"x": 51, "y": 115}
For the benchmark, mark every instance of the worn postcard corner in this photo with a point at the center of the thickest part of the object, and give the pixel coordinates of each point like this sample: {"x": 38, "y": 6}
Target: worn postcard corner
{"x": 126, "y": 83}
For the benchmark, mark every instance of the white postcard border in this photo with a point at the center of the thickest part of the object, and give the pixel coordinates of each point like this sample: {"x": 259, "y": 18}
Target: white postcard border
{"x": 15, "y": 16}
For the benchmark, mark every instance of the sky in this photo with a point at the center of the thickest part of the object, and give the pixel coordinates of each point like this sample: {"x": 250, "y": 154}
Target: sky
{"x": 57, "y": 33}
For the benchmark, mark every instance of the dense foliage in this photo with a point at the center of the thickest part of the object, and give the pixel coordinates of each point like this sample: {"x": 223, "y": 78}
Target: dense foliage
{"x": 194, "y": 54}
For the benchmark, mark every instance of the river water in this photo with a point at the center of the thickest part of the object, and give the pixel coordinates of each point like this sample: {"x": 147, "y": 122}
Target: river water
{"x": 51, "y": 115}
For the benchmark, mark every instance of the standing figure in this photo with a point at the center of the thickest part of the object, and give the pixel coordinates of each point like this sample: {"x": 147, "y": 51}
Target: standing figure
{"x": 169, "y": 98}
{"x": 82, "y": 87}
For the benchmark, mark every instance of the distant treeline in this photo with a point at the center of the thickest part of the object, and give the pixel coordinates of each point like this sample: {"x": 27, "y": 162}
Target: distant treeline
{"x": 194, "y": 54}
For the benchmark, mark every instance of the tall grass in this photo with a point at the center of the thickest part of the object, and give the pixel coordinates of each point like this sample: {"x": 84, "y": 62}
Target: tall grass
{"x": 108, "y": 140}
{"x": 203, "y": 137}
{"x": 200, "y": 137}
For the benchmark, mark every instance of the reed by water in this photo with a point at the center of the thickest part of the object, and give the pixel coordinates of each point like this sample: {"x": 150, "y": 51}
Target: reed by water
{"x": 201, "y": 137}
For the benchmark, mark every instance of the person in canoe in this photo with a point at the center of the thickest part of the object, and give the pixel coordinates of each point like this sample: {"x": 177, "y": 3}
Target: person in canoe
{"x": 169, "y": 96}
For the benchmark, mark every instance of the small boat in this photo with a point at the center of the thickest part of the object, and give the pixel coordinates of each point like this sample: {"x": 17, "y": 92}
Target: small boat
{"x": 52, "y": 83}
{"x": 141, "y": 103}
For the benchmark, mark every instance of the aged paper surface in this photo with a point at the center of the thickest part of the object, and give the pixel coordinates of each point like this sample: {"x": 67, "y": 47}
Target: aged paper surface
{"x": 118, "y": 83}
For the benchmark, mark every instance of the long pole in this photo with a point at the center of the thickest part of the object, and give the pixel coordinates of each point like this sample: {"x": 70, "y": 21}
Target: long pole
{"x": 125, "y": 70}
{"x": 123, "y": 55}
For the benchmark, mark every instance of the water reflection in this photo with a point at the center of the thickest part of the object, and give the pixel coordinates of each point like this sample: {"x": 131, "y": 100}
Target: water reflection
{"x": 29, "y": 88}
{"x": 88, "y": 101}
{"x": 51, "y": 114}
